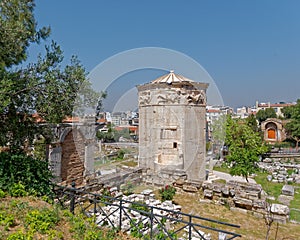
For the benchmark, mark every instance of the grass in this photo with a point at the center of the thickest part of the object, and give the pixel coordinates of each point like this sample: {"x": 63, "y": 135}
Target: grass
{"x": 32, "y": 218}
{"x": 271, "y": 188}
{"x": 222, "y": 169}
{"x": 251, "y": 227}
{"x": 295, "y": 203}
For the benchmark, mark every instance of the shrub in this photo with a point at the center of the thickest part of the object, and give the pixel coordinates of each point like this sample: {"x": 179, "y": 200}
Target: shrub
{"x": 42, "y": 220}
{"x": 167, "y": 193}
{"x": 2, "y": 193}
{"x": 17, "y": 190}
{"x": 33, "y": 174}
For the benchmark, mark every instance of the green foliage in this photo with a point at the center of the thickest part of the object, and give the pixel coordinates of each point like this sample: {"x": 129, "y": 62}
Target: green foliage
{"x": 140, "y": 207}
{"x": 7, "y": 220}
{"x": 293, "y": 126}
{"x": 2, "y": 193}
{"x": 41, "y": 220}
{"x": 43, "y": 87}
{"x": 167, "y": 192}
{"x": 18, "y": 30}
{"x": 20, "y": 173}
{"x": 20, "y": 236}
{"x": 263, "y": 115}
{"x": 127, "y": 189}
{"x": 245, "y": 147}
{"x": 136, "y": 228}
{"x": 17, "y": 190}
{"x": 252, "y": 122}
{"x": 271, "y": 188}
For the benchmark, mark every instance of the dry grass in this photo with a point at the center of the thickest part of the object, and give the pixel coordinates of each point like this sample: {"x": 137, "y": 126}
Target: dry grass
{"x": 250, "y": 227}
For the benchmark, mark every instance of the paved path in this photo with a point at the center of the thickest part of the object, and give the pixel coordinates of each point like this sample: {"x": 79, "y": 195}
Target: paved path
{"x": 228, "y": 177}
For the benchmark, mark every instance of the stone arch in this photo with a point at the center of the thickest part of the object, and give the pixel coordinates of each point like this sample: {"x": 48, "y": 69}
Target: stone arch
{"x": 72, "y": 158}
{"x": 273, "y": 130}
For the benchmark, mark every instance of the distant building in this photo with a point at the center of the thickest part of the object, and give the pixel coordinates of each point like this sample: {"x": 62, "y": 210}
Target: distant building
{"x": 276, "y": 106}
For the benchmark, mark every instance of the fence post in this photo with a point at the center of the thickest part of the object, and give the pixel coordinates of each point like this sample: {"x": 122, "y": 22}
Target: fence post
{"x": 151, "y": 223}
{"x": 72, "y": 195}
{"x": 190, "y": 227}
{"x": 120, "y": 217}
{"x": 95, "y": 205}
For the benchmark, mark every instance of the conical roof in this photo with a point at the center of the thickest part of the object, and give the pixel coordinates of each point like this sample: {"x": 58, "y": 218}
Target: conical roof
{"x": 171, "y": 78}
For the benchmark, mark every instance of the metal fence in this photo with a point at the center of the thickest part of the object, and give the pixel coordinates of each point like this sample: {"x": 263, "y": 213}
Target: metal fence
{"x": 153, "y": 220}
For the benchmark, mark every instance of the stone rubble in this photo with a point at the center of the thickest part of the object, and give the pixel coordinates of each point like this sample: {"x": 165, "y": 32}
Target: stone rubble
{"x": 110, "y": 215}
{"x": 278, "y": 170}
{"x": 244, "y": 197}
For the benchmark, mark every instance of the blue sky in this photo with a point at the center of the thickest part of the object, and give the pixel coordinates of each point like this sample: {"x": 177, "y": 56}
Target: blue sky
{"x": 250, "y": 48}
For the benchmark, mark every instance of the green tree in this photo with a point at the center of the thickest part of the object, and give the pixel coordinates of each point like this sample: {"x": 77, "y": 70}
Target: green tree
{"x": 43, "y": 87}
{"x": 293, "y": 126}
{"x": 245, "y": 146}
{"x": 252, "y": 122}
{"x": 263, "y": 115}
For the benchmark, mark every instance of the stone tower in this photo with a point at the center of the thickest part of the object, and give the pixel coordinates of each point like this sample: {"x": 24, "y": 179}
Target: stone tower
{"x": 172, "y": 125}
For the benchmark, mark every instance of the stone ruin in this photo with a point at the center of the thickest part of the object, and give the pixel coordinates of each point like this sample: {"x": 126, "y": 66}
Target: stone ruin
{"x": 245, "y": 197}
{"x": 281, "y": 170}
{"x": 71, "y": 155}
{"x": 172, "y": 126}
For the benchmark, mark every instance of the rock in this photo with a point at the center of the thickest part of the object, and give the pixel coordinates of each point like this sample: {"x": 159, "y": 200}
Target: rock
{"x": 189, "y": 188}
{"x": 222, "y": 236}
{"x": 208, "y": 194}
{"x": 113, "y": 189}
{"x": 288, "y": 190}
{"x": 279, "y": 209}
{"x": 285, "y": 199}
{"x": 243, "y": 203}
{"x": 147, "y": 192}
{"x": 261, "y": 204}
{"x": 269, "y": 177}
{"x": 225, "y": 191}
{"x": 179, "y": 182}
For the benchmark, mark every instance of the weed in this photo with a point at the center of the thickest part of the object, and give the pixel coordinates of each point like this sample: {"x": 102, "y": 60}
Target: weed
{"x": 17, "y": 190}
{"x": 7, "y": 220}
{"x": 41, "y": 220}
{"x": 2, "y": 194}
{"x": 167, "y": 193}
{"x": 140, "y": 207}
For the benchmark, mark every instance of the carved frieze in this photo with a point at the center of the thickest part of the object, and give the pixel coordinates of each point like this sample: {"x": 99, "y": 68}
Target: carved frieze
{"x": 172, "y": 96}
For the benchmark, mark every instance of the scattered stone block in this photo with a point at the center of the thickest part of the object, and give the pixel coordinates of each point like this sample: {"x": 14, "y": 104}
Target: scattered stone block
{"x": 280, "y": 209}
{"x": 269, "y": 178}
{"x": 288, "y": 190}
{"x": 284, "y": 199}
{"x": 208, "y": 194}
{"x": 189, "y": 188}
{"x": 243, "y": 203}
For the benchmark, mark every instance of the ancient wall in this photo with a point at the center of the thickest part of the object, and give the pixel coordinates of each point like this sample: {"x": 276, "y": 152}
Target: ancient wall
{"x": 72, "y": 160}
{"x": 71, "y": 156}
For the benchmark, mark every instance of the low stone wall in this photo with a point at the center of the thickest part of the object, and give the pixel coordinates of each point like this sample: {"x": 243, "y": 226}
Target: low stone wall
{"x": 244, "y": 197}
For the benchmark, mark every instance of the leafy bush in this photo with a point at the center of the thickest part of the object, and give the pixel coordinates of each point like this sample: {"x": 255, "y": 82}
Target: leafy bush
{"x": 6, "y": 220}
{"x": 33, "y": 174}
{"x": 17, "y": 190}
{"x": 2, "y": 193}
{"x": 19, "y": 236}
{"x": 167, "y": 193}
{"x": 41, "y": 220}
